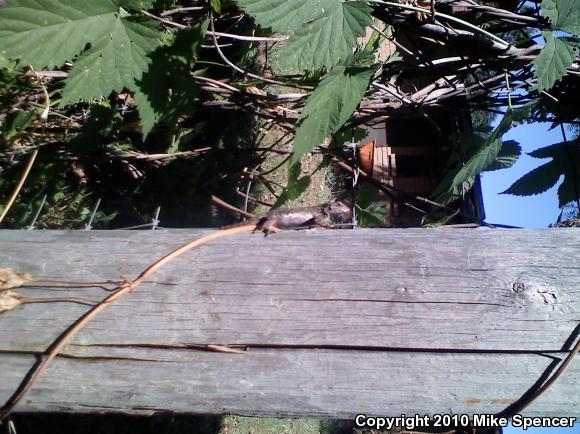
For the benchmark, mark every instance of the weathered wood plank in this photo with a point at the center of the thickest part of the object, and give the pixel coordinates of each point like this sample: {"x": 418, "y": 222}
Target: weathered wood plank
{"x": 322, "y": 383}
{"x": 334, "y": 323}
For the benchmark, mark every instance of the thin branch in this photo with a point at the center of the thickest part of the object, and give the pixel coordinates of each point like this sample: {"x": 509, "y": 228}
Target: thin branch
{"x": 216, "y": 83}
{"x": 180, "y": 10}
{"x": 226, "y": 205}
{"x": 163, "y": 20}
{"x": 232, "y": 65}
{"x": 496, "y": 12}
{"x": 391, "y": 92}
{"x": 251, "y": 199}
{"x": 133, "y": 155}
{"x": 21, "y": 182}
{"x": 247, "y": 38}
{"x": 447, "y": 17}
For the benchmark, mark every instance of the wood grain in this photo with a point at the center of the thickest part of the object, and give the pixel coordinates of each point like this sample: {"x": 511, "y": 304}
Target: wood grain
{"x": 329, "y": 323}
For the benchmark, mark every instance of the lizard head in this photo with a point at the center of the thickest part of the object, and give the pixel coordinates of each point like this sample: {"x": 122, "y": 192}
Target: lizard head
{"x": 339, "y": 208}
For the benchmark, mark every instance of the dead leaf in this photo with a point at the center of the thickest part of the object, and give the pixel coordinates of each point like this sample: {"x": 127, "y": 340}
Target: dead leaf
{"x": 9, "y": 300}
{"x": 10, "y": 279}
{"x": 256, "y": 91}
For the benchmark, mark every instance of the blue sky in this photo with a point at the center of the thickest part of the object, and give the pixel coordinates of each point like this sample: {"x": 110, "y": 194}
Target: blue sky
{"x": 531, "y": 211}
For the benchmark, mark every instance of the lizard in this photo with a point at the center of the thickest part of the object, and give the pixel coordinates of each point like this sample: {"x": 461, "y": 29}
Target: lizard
{"x": 318, "y": 216}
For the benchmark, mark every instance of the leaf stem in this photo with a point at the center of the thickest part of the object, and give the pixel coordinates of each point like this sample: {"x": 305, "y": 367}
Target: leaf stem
{"x": 509, "y": 91}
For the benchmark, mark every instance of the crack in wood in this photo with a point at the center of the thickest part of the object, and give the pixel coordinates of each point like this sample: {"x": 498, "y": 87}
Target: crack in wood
{"x": 247, "y": 346}
{"x": 401, "y": 301}
{"x": 39, "y": 354}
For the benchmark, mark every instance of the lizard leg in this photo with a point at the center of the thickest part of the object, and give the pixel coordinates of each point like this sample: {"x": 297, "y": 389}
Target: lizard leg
{"x": 260, "y": 225}
{"x": 319, "y": 222}
{"x": 269, "y": 228}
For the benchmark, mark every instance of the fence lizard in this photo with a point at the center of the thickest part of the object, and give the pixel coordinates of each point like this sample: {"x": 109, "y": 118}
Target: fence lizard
{"x": 319, "y": 216}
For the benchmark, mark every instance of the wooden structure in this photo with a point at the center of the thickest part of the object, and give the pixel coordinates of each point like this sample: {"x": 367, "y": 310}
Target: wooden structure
{"x": 410, "y": 149}
{"x": 408, "y": 154}
{"x": 320, "y": 323}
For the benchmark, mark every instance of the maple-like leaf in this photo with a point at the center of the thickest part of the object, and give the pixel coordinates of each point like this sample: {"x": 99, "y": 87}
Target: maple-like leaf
{"x": 321, "y": 32}
{"x": 563, "y": 14}
{"x": 553, "y": 61}
{"x": 46, "y": 33}
{"x": 565, "y": 162}
{"x": 114, "y": 62}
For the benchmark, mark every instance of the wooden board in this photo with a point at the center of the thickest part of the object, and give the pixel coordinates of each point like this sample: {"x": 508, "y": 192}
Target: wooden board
{"x": 330, "y": 323}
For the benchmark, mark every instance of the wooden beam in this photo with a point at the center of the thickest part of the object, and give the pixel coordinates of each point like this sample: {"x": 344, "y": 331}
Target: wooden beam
{"x": 327, "y": 323}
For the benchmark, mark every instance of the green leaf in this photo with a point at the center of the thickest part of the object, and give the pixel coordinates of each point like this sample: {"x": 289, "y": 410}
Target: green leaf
{"x": 216, "y": 5}
{"x": 282, "y": 15}
{"x": 12, "y": 87}
{"x": 330, "y": 106}
{"x": 369, "y": 210}
{"x": 459, "y": 181}
{"x": 322, "y": 32}
{"x": 373, "y": 44}
{"x": 329, "y": 39}
{"x": 136, "y": 4}
{"x": 563, "y": 14}
{"x": 565, "y": 161}
{"x": 553, "y": 61}
{"x": 46, "y": 33}
{"x": 508, "y": 155}
{"x": 438, "y": 218}
{"x": 114, "y": 62}
{"x": 15, "y": 122}
{"x": 462, "y": 145}
{"x": 167, "y": 88}
{"x": 351, "y": 135}
{"x": 4, "y": 63}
